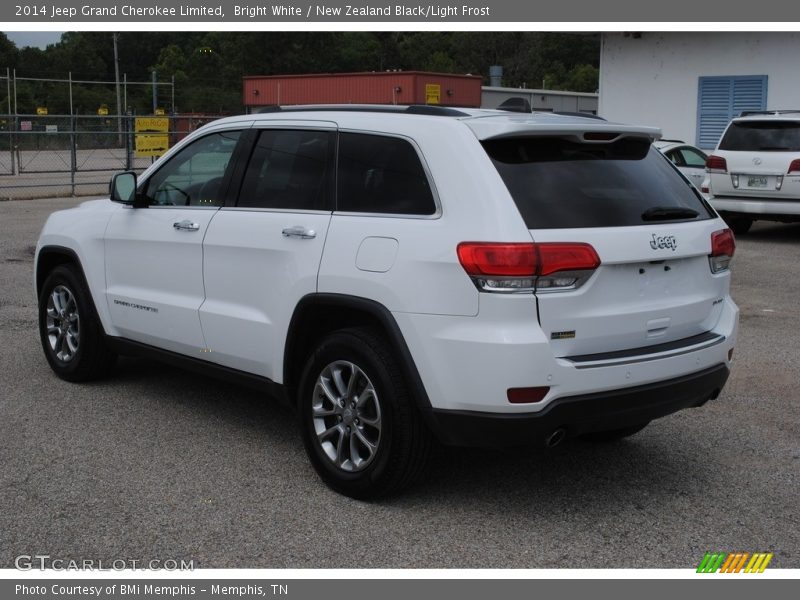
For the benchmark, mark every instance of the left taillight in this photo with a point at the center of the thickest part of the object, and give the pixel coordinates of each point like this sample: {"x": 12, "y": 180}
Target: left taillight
{"x": 723, "y": 246}
{"x": 526, "y": 267}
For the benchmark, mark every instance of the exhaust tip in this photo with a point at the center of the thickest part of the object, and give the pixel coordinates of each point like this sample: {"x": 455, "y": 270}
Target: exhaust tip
{"x": 555, "y": 438}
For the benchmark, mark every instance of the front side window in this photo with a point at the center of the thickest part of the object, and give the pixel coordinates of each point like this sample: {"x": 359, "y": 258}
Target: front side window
{"x": 289, "y": 169}
{"x": 381, "y": 174}
{"x": 193, "y": 177}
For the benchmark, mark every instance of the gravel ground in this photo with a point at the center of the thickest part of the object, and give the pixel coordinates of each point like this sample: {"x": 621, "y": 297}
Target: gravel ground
{"x": 157, "y": 463}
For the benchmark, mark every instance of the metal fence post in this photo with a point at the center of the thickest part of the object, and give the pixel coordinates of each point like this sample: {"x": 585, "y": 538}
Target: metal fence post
{"x": 14, "y": 127}
{"x": 129, "y": 142}
{"x": 73, "y": 168}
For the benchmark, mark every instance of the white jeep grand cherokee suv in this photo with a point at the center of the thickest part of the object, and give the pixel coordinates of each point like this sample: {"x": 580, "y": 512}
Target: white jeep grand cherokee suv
{"x": 406, "y": 274}
{"x": 755, "y": 171}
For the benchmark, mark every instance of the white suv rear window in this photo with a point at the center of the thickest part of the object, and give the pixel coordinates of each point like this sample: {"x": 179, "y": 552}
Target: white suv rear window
{"x": 557, "y": 183}
{"x": 762, "y": 136}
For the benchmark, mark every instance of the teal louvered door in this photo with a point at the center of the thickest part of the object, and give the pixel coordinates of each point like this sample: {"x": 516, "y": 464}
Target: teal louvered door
{"x": 719, "y": 99}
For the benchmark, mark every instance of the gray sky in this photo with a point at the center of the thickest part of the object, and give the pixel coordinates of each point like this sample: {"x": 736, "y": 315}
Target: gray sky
{"x": 34, "y": 38}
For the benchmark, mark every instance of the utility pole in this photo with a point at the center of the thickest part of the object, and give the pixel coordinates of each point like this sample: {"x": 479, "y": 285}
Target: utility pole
{"x": 155, "y": 92}
{"x": 116, "y": 80}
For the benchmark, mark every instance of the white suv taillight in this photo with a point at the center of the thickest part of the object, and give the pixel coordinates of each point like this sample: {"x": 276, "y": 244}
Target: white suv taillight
{"x": 723, "y": 246}
{"x": 794, "y": 166}
{"x": 716, "y": 164}
{"x": 528, "y": 267}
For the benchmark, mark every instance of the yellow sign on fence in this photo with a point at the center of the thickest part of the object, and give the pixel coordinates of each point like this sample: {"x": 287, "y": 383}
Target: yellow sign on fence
{"x": 433, "y": 93}
{"x": 41, "y": 111}
{"x": 152, "y": 136}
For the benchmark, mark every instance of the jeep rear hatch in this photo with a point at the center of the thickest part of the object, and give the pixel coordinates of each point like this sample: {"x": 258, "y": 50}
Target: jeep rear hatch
{"x": 650, "y": 230}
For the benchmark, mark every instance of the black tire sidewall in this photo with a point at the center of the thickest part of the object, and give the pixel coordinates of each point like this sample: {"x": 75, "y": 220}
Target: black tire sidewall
{"x": 348, "y": 346}
{"x": 66, "y": 277}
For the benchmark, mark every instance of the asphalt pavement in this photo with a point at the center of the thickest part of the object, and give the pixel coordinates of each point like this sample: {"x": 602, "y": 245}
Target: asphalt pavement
{"x": 157, "y": 463}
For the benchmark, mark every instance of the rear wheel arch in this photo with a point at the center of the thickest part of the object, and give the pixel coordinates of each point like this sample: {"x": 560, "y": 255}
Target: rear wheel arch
{"x": 318, "y": 315}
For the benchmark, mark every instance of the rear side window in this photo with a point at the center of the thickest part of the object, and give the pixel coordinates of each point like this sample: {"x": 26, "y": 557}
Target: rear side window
{"x": 762, "y": 136}
{"x": 289, "y": 169}
{"x": 557, "y": 183}
{"x": 381, "y": 174}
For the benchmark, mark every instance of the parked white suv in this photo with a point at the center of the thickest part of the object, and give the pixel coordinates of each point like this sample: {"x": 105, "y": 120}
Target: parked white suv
{"x": 754, "y": 173}
{"x": 406, "y": 274}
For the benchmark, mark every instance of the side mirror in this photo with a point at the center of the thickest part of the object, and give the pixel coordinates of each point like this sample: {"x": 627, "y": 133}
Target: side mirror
{"x": 123, "y": 188}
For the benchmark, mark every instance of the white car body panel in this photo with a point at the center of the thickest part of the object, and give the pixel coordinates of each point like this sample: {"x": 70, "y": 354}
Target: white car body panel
{"x": 154, "y": 276}
{"x": 247, "y": 309}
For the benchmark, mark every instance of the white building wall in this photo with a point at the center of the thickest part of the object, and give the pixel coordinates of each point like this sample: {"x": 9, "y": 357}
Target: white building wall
{"x": 652, "y": 79}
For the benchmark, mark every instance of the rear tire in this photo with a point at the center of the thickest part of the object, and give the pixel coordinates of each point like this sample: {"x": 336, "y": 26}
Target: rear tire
{"x": 613, "y": 435}
{"x": 70, "y": 331}
{"x": 361, "y": 429}
{"x": 739, "y": 225}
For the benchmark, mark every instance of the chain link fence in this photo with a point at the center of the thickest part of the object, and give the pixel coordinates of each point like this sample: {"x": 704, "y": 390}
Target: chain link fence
{"x": 56, "y": 155}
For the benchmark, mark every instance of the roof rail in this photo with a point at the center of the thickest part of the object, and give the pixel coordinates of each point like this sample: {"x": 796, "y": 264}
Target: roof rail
{"x": 747, "y": 113}
{"x": 413, "y": 109}
{"x": 673, "y": 141}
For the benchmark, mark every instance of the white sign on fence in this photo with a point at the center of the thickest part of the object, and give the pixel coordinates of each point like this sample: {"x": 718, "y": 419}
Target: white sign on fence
{"x": 51, "y": 128}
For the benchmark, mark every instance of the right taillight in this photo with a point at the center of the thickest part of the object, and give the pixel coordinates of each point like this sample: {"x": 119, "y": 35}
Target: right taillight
{"x": 527, "y": 267}
{"x": 794, "y": 166}
{"x": 723, "y": 245}
{"x": 716, "y": 164}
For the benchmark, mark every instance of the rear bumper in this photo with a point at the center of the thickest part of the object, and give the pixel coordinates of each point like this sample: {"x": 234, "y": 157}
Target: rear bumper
{"x": 756, "y": 206}
{"x": 608, "y": 410}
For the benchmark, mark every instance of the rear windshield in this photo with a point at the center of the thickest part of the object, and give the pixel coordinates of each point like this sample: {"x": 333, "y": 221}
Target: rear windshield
{"x": 557, "y": 183}
{"x": 762, "y": 136}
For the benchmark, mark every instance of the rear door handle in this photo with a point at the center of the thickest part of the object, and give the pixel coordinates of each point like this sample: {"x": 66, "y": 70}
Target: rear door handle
{"x": 298, "y": 231}
{"x": 186, "y": 225}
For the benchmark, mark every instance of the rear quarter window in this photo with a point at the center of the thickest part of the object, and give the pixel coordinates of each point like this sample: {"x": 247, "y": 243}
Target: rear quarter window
{"x": 558, "y": 183}
{"x": 381, "y": 174}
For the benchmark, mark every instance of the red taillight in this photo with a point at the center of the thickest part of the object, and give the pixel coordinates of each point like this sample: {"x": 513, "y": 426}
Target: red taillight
{"x": 794, "y": 166}
{"x": 556, "y": 256}
{"x": 497, "y": 260}
{"x": 723, "y": 246}
{"x": 525, "y": 259}
{"x": 716, "y": 164}
{"x": 527, "y": 395}
{"x": 520, "y": 267}
{"x": 723, "y": 243}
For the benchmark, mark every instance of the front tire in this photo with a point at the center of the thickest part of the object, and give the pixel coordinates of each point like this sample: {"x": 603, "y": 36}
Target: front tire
{"x": 361, "y": 430}
{"x": 71, "y": 335}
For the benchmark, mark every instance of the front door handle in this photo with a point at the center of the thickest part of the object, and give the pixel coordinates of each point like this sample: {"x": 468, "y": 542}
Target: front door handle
{"x": 298, "y": 231}
{"x": 186, "y": 225}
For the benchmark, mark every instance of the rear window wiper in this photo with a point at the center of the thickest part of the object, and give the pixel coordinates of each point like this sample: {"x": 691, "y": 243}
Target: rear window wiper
{"x": 774, "y": 149}
{"x": 667, "y": 213}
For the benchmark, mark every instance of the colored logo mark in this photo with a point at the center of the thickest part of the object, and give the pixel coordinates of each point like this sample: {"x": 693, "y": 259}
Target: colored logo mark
{"x": 737, "y": 562}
